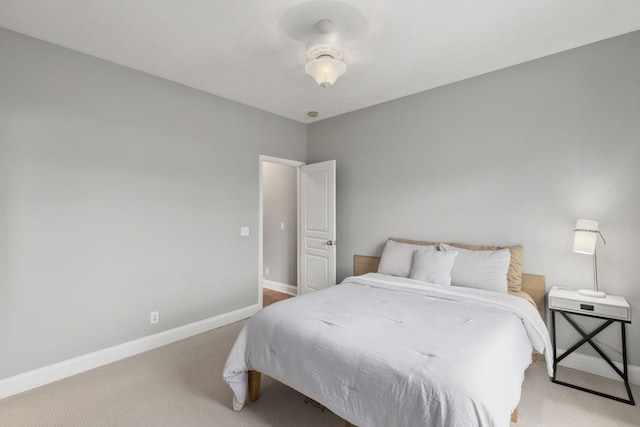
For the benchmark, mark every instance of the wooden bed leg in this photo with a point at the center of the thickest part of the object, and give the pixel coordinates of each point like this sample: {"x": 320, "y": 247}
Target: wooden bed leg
{"x": 514, "y": 415}
{"x": 254, "y": 385}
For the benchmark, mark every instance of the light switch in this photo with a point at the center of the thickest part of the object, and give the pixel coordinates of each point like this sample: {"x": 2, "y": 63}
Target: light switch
{"x": 244, "y": 231}
{"x": 282, "y": 226}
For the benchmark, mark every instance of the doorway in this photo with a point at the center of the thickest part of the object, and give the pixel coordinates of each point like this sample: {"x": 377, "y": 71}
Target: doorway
{"x": 278, "y": 247}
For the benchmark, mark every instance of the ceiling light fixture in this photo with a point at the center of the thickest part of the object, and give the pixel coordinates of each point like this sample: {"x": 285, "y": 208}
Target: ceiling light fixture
{"x": 325, "y": 59}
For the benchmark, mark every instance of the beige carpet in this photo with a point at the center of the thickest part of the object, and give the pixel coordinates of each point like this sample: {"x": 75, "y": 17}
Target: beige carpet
{"x": 181, "y": 385}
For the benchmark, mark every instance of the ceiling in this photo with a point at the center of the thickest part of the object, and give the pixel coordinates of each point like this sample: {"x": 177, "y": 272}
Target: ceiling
{"x": 243, "y": 50}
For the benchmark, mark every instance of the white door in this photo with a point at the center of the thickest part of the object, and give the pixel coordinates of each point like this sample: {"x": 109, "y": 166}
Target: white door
{"x": 317, "y": 237}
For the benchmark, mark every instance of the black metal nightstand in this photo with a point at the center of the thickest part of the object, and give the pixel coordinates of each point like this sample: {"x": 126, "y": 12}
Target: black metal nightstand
{"x": 610, "y": 309}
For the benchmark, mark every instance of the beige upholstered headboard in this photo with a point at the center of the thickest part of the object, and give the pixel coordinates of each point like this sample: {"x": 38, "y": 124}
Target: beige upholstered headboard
{"x": 532, "y": 284}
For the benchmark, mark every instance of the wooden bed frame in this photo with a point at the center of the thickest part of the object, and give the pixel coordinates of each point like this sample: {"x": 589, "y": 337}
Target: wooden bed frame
{"x": 532, "y": 284}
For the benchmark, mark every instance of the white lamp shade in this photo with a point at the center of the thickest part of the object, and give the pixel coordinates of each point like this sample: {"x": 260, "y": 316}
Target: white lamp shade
{"x": 325, "y": 70}
{"x": 585, "y": 236}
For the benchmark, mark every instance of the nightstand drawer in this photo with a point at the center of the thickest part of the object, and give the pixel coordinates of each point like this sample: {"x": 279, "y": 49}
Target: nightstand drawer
{"x": 610, "y": 307}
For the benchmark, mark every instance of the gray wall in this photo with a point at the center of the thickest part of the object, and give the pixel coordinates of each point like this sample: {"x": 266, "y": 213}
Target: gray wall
{"x": 514, "y": 156}
{"x": 280, "y": 205}
{"x": 120, "y": 193}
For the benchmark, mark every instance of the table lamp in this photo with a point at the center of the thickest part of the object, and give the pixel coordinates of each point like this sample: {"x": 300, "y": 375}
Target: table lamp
{"x": 585, "y": 239}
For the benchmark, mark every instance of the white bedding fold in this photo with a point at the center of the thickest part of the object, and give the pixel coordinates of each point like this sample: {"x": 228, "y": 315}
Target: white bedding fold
{"x": 381, "y": 351}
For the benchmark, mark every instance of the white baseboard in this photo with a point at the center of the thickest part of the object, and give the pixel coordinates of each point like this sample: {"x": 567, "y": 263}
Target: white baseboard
{"x": 45, "y": 375}
{"x": 280, "y": 287}
{"x": 48, "y": 374}
{"x": 597, "y": 366}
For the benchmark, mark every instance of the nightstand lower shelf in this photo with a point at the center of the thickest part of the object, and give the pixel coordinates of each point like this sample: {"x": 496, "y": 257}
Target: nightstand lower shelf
{"x": 587, "y": 338}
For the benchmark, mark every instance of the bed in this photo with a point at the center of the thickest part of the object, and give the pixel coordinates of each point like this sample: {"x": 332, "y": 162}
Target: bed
{"x": 383, "y": 350}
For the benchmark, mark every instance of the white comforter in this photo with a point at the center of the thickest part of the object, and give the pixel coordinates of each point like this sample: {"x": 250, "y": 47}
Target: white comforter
{"x": 383, "y": 351}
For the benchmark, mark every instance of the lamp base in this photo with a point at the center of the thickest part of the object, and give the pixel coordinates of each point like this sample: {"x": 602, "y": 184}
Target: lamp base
{"x": 591, "y": 293}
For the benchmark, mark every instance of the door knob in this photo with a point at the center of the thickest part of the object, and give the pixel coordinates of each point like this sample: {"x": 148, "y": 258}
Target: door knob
{"x": 331, "y": 242}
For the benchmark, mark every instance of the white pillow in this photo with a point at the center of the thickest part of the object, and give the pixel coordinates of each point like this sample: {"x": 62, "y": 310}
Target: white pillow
{"x": 397, "y": 258}
{"x": 480, "y": 269}
{"x": 433, "y": 266}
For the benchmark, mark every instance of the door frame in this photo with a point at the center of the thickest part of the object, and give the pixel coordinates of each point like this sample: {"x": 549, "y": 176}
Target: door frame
{"x": 288, "y": 162}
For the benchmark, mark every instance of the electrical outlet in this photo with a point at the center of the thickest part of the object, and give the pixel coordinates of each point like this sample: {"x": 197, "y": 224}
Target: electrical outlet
{"x": 155, "y": 317}
{"x": 266, "y": 271}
